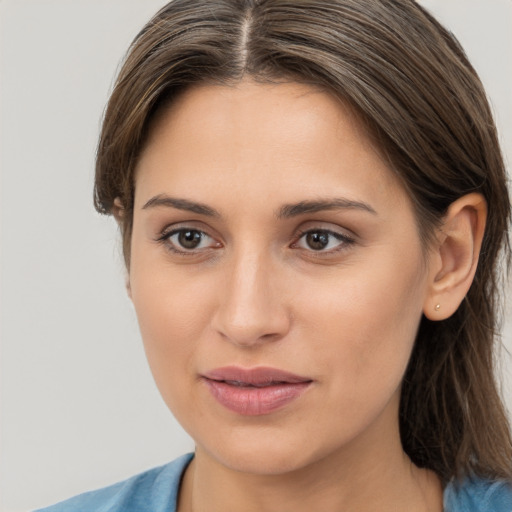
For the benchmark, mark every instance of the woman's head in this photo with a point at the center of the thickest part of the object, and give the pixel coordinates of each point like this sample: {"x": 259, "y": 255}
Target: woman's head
{"x": 417, "y": 101}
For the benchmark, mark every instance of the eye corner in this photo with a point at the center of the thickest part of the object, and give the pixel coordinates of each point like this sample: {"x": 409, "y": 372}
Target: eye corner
{"x": 187, "y": 240}
{"x": 322, "y": 241}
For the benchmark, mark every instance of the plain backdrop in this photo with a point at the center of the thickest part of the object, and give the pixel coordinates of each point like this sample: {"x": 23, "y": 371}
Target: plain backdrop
{"x": 79, "y": 409}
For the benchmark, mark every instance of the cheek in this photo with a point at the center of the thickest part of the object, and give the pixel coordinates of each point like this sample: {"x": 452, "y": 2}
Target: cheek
{"x": 172, "y": 312}
{"x": 364, "y": 327}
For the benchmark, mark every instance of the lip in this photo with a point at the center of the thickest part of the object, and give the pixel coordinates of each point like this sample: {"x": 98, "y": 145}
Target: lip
{"x": 255, "y": 391}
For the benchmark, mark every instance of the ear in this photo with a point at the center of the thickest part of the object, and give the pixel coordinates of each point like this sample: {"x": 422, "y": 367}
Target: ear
{"x": 454, "y": 258}
{"x": 118, "y": 212}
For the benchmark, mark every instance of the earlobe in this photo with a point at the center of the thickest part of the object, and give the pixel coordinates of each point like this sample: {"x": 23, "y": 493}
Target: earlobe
{"x": 454, "y": 259}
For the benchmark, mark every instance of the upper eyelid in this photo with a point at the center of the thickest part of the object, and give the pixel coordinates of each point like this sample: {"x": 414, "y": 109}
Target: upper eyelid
{"x": 325, "y": 230}
{"x": 177, "y": 249}
{"x": 299, "y": 231}
{"x": 181, "y": 226}
{"x": 341, "y": 237}
{"x": 166, "y": 234}
{"x": 336, "y": 231}
{"x": 327, "y": 227}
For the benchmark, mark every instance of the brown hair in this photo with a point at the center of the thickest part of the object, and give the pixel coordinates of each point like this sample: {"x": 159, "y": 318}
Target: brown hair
{"x": 412, "y": 85}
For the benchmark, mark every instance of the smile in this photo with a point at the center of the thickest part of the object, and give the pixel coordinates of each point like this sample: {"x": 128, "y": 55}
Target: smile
{"x": 255, "y": 391}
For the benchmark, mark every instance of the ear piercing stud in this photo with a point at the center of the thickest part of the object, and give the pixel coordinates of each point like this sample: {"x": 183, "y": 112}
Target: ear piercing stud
{"x": 438, "y": 307}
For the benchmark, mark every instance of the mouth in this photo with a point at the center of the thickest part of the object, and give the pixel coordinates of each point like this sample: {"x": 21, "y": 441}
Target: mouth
{"x": 255, "y": 391}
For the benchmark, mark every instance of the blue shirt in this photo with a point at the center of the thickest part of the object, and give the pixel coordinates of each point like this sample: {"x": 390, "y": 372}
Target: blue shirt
{"x": 156, "y": 490}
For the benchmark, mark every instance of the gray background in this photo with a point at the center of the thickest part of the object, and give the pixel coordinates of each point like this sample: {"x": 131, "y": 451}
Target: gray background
{"x": 79, "y": 409}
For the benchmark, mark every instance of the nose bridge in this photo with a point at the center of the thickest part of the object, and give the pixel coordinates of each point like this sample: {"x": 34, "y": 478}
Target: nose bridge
{"x": 251, "y": 307}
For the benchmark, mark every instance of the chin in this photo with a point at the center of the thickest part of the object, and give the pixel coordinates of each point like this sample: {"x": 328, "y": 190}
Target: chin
{"x": 269, "y": 453}
{"x": 262, "y": 461}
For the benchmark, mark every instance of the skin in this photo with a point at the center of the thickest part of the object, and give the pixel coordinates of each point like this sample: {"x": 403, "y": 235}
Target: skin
{"x": 254, "y": 293}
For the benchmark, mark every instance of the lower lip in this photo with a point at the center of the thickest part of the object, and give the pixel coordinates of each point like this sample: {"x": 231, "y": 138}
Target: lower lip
{"x": 253, "y": 401}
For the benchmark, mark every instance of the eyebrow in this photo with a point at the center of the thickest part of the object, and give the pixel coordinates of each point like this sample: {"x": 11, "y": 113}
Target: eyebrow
{"x": 181, "y": 204}
{"x": 285, "y": 212}
{"x": 292, "y": 210}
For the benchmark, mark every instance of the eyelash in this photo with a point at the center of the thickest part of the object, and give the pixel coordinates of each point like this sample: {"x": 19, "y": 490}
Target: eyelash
{"x": 165, "y": 237}
{"x": 345, "y": 241}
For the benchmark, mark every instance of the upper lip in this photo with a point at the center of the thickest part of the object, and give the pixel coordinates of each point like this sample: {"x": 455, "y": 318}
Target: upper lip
{"x": 257, "y": 376}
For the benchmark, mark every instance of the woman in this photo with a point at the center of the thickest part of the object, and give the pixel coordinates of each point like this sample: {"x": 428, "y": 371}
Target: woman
{"x": 313, "y": 207}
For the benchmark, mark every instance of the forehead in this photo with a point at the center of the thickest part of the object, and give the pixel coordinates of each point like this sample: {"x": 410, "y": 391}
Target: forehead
{"x": 257, "y": 110}
{"x": 265, "y": 139}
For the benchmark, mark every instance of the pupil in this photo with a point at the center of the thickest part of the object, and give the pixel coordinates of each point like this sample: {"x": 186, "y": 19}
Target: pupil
{"x": 317, "y": 240}
{"x": 189, "y": 239}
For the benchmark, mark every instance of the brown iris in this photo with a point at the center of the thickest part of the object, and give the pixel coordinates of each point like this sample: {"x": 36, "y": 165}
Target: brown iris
{"x": 189, "y": 239}
{"x": 317, "y": 240}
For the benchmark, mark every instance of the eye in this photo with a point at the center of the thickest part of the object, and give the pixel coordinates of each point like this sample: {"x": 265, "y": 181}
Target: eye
{"x": 187, "y": 240}
{"x": 322, "y": 240}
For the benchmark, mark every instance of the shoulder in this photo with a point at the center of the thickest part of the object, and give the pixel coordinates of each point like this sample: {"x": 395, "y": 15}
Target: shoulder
{"x": 476, "y": 495}
{"x": 155, "y": 490}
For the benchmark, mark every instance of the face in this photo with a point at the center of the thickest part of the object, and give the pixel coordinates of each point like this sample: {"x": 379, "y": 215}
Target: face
{"x": 277, "y": 274}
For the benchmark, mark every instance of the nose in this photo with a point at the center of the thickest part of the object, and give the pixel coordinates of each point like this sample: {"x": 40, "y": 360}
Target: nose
{"x": 252, "y": 305}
